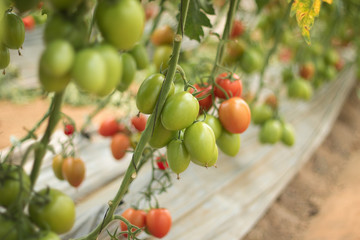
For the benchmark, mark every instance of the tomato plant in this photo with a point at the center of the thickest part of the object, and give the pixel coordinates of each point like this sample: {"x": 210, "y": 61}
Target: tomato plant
{"x": 73, "y": 170}
{"x": 227, "y": 86}
{"x": 139, "y": 122}
{"x": 120, "y": 143}
{"x": 235, "y": 115}
{"x": 135, "y": 217}
{"x": 129, "y": 18}
{"x": 52, "y": 209}
{"x": 158, "y": 222}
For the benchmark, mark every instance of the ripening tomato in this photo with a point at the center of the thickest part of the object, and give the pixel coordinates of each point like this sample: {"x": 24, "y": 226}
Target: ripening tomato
{"x": 128, "y": 71}
{"x": 89, "y": 70}
{"x": 73, "y": 170}
{"x": 307, "y": 70}
{"x": 69, "y": 129}
{"x": 13, "y": 31}
{"x": 108, "y": 127}
{"x": 113, "y": 64}
{"x": 271, "y": 131}
{"x": 140, "y": 55}
{"x": 229, "y": 143}
{"x": 235, "y": 49}
{"x": 120, "y": 143}
{"x": 163, "y": 35}
{"x": 213, "y": 122}
{"x": 231, "y": 84}
{"x": 158, "y": 222}
{"x": 177, "y": 156}
{"x": 149, "y": 92}
{"x": 14, "y": 185}
{"x": 204, "y": 97}
{"x": 161, "y": 136}
{"x": 199, "y": 140}
{"x": 29, "y": 22}
{"x": 135, "y": 217}
{"x": 288, "y": 134}
{"x": 235, "y": 115}
{"x": 161, "y": 162}
{"x": 120, "y": 22}
{"x": 180, "y": 111}
{"x": 139, "y": 122}
{"x": 4, "y": 56}
{"x": 56, "y": 213}
{"x": 237, "y": 29}
{"x": 57, "y": 163}
{"x": 162, "y": 56}
{"x": 261, "y": 113}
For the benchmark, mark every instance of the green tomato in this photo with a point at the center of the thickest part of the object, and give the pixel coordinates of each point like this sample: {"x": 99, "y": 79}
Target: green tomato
{"x": 4, "y": 56}
{"x": 180, "y": 111}
{"x": 229, "y": 143}
{"x": 14, "y": 185}
{"x": 287, "y": 75}
{"x": 113, "y": 65}
{"x": 330, "y": 73}
{"x": 288, "y": 134}
{"x": 141, "y": 56}
{"x": 162, "y": 56}
{"x": 25, "y": 5}
{"x": 177, "y": 156}
{"x": 56, "y": 213}
{"x": 65, "y": 4}
{"x": 121, "y": 22}
{"x": 13, "y": 31}
{"x": 161, "y": 136}
{"x": 331, "y": 56}
{"x": 59, "y": 27}
{"x": 89, "y": 70}
{"x": 57, "y": 59}
{"x": 46, "y": 235}
{"x": 300, "y": 88}
{"x": 53, "y": 84}
{"x": 271, "y": 131}
{"x": 251, "y": 60}
{"x": 199, "y": 140}
{"x": 128, "y": 71}
{"x": 261, "y": 113}
{"x": 149, "y": 92}
{"x": 213, "y": 122}
{"x": 215, "y": 156}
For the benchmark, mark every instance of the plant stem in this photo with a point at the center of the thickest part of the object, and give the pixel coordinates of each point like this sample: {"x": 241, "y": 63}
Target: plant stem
{"x": 40, "y": 151}
{"x": 131, "y": 171}
{"x": 277, "y": 32}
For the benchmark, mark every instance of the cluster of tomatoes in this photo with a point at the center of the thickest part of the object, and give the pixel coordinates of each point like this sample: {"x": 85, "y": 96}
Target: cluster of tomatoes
{"x": 156, "y": 221}
{"x": 12, "y": 35}
{"x": 50, "y": 212}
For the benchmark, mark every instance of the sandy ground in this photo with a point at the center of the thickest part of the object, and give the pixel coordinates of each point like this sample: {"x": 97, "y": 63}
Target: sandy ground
{"x": 323, "y": 201}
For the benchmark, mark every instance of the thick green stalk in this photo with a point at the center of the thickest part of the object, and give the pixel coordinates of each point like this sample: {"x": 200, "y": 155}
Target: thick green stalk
{"x": 41, "y": 149}
{"x": 131, "y": 172}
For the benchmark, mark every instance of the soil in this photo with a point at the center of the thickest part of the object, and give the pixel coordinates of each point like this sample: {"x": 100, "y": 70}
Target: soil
{"x": 322, "y": 202}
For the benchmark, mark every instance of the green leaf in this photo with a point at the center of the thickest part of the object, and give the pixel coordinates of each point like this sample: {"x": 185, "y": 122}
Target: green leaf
{"x": 197, "y": 19}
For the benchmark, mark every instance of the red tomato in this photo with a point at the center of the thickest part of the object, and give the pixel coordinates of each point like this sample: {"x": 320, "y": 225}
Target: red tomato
{"x": 139, "y": 122}
{"x": 205, "y": 103}
{"x": 237, "y": 29}
{"x": 158, "y": 222}
{"x": 29, "y": 22}
{"x": 162, "y": 163}
{"x": 234, "y": 115}
{"x": 135, "y": 217}
{"x": 119, "y": 144}
{"x": 73, "y": 170}
{"x": 109, "y": 127}
{"x": 69, "y": 129}
{"x": 231, "y": 85}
